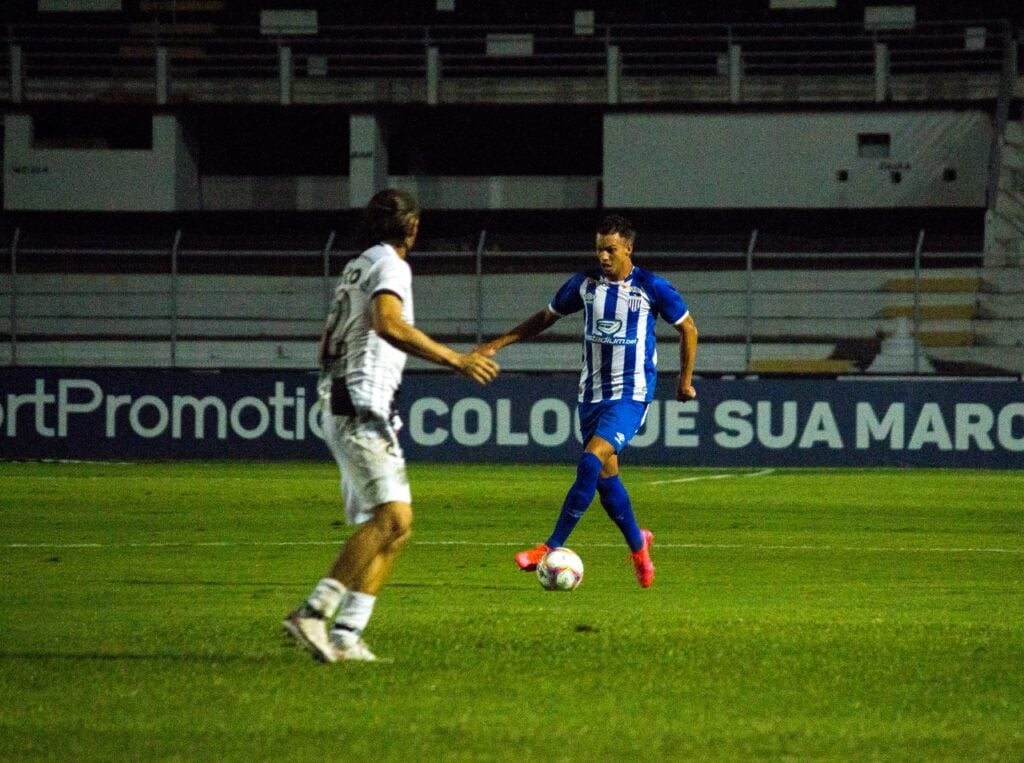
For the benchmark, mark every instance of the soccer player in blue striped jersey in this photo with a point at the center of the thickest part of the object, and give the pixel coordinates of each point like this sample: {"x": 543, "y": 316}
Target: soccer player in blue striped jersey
{"x": 620, "y": 304}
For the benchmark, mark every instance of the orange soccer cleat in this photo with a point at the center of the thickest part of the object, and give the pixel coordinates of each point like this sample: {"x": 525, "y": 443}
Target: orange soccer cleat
{"x": 642, "y": 561}
{"x": 528, "y": 559}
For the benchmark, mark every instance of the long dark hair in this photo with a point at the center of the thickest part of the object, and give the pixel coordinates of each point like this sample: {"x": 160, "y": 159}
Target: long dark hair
{"x": 388, "y": 217}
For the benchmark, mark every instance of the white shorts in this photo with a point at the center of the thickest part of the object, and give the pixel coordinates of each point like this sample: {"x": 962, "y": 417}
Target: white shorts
{"x": 371, "y": 462}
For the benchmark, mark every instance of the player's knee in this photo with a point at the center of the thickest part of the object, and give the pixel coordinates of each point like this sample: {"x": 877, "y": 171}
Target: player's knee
{"x": 398, "y": 542}
{"x": 397, "y": 521}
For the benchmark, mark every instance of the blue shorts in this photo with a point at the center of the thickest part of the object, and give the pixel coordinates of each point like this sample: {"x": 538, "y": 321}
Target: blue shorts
{"x": 616, "y": 421}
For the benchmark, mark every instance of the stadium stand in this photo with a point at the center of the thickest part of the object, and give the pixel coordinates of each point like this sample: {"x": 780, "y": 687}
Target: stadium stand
{"x": 216, "y": 301}
{"x": 207, "y": 288}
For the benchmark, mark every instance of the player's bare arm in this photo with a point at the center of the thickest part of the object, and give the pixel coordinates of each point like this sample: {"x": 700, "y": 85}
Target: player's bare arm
{"x": 392, "y": 328}
{"x": 537, "y": 323}
{"x": 687, "y": 358}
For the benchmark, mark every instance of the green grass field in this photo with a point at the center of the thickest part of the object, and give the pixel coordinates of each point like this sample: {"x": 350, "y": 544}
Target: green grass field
{"x": 798, "y": 614}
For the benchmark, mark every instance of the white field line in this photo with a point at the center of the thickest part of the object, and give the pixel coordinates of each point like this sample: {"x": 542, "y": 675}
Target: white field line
{"x": 504, "y": 544}
{"x": 761, "y": 473}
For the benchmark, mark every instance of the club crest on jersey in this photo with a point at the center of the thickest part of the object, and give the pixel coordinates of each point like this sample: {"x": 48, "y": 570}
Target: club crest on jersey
{"x": 634, "y": 300}
{"x": 608, "y": 327}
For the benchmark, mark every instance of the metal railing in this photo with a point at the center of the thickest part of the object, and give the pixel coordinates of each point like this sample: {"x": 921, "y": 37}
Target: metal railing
{"x": 152, "y": 61}
{"x": 470, "y": 294}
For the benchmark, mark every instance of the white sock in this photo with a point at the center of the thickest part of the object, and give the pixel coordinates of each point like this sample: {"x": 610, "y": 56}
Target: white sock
{"x": 326, "y": 596}
{"x": 354, "y": 614}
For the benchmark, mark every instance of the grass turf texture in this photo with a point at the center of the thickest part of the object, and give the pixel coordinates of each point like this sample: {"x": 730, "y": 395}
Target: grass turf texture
{"x": 799, "y": 614}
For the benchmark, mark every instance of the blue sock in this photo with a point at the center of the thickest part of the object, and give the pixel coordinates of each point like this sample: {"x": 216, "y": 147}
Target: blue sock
{"x": 616, "y": 503}
{"x": 577, "y": 500}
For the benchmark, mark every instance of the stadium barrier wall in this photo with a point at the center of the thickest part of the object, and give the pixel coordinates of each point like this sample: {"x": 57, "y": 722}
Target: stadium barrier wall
{"x": 139, "y": 414}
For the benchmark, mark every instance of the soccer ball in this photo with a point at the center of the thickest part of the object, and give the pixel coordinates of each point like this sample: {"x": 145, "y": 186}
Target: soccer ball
{"x": 560, "y": 570}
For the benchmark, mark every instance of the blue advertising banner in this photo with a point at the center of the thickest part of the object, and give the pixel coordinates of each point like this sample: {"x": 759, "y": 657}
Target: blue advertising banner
{"x": 135, "y": 414}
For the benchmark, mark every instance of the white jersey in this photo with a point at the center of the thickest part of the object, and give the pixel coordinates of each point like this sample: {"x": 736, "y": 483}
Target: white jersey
{"x": 370, "y": 368}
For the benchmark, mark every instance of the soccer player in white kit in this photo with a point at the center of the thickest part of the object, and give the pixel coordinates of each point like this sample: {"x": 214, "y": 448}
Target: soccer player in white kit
{"x": 363, "y": 349}
{"x": 620, "y": 304}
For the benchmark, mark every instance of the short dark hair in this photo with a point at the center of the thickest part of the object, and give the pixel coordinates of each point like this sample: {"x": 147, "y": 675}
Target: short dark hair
{"x": 388, "y": 217}
{"x": 615, "y": 223}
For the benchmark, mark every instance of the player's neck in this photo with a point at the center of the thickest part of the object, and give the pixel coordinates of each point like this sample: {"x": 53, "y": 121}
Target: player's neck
{"x": 400, "y": 249}
{"x": 622, "y": 276}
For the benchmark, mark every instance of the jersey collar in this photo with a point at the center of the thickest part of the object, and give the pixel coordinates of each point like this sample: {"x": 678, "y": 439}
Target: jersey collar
{"x": 628, "y": 276}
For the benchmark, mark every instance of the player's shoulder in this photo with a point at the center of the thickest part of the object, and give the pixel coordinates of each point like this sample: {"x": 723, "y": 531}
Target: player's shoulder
{"x": 384, "y": 258}
{"x": 649, "y": 280}
{"x": 582, "y": 276}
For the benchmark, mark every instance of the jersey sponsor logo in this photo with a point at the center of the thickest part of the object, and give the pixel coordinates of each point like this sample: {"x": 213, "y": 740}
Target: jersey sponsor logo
{"x": 608, "y": 326}
{"x": 599, "y": 339}
{"x": 620, "y": 438}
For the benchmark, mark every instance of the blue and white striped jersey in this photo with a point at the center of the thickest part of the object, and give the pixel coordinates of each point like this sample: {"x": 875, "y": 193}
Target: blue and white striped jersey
{"x": 619, "y": 351}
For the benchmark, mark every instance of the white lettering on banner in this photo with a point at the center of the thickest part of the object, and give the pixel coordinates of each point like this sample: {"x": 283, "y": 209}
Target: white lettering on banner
{"x": 821, "y": 427}
{"x": 429, "y": 433}
{"x": 973, "y": 421}
{"x": 930, "y": 429}
{"x": 163, "y": 416}
{"x": 40, "y": 399}
{"x": 150, "y": 416}
{"x": 280, "y": 403}
{"x": 538, "y": 418}
{"x": 262, "y": 414}
{"x": 764, "y": 425}
{"x": 1004, "y": 428}
{"x": 199, "y": 408}
{"x": 417, "y": 421}
{"x": 300, "y": 411}
{"x": 731, "y": 418}
{"x": 471, "y": 407}
{"x": 680, "y": 418}
{"x": 65, "y": 406}
{"x": 243, "y": 422}
{"x": 972, "y": 424}
{"x": 113, "y": 403}
{"x": 505, "y": 434}
{"x": 869, "y": 427}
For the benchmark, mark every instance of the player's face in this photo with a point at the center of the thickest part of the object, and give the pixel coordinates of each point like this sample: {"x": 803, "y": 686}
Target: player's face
{"x": 615, "y": 254}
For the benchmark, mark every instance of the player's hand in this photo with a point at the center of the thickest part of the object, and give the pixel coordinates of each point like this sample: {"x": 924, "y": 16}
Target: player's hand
{"x": 487, "y": 349}
{"x": 685, "y": 393}
{"x": 478, "y": 367}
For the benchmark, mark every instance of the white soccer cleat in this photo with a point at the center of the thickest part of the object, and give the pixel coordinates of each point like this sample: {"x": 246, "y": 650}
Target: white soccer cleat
{"x": 310, "y": 630}
{"x": 348, "y": 649}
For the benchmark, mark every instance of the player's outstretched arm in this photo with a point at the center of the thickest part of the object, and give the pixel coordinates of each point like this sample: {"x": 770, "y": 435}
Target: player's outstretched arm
{"x": 538, "y": 322}
{"x": 477, "y": 367}
{"x": 392, "y": 328}
{"x": 687, "y": 358}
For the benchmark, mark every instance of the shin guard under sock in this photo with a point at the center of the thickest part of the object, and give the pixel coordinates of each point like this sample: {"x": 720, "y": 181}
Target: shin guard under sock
{"x": 577, "y": 499}
{"x": 619, "y": 508}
